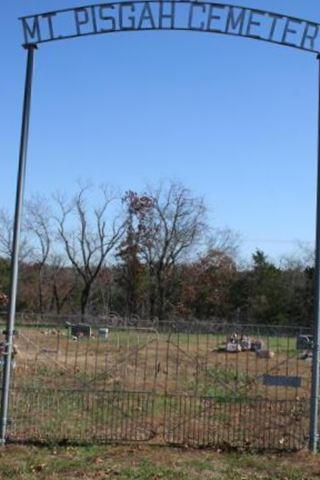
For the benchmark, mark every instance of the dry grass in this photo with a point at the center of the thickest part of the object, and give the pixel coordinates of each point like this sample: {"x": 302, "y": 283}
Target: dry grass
{"x": 137, "y": 360}
{"x": 151, "y": 463}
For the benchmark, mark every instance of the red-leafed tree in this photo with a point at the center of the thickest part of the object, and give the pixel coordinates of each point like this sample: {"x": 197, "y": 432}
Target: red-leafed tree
{"x": 132, "y": 270}
{"x": 205, "y": 286}
{"x": 173, "y": 228}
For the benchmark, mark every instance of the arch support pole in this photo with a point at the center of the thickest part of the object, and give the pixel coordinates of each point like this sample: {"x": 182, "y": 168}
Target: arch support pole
{"x": 16, "y": 243}
{"x": 314, "y": 405}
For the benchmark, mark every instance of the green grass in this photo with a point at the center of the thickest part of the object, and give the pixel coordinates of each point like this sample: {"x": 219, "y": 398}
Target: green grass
{"x": 224, "y": 384}
{"x": 150, "y": 463}
{"x": 146, "y": 470}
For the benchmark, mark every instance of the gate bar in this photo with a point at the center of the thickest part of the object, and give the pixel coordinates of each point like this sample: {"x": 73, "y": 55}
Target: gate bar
{"x": 316, "y": 339}
{"x": 16, "y": 241}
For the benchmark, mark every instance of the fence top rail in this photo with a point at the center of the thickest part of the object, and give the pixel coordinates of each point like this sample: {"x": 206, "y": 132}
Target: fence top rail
{"x": 118, "y": 323}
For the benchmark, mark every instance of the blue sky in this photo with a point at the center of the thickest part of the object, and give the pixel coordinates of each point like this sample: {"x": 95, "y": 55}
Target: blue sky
{"x": 233, "y": 119}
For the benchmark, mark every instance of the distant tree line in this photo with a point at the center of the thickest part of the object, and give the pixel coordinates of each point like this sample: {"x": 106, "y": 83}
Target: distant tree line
{"x": 150, "y": 254}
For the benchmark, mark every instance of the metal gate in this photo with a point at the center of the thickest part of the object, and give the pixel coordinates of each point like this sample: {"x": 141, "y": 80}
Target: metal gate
{"x": 176, "y": 384}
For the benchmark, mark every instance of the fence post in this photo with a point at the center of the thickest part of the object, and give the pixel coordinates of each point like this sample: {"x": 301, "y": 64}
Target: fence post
{"x": 16, "y": 241}
{"x": 314, "y": 406}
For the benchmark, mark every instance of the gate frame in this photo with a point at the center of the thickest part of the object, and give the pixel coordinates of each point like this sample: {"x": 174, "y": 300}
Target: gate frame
{"x": 31, "y": 47}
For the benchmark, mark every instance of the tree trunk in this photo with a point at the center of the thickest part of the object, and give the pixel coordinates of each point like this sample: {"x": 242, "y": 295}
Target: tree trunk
{"x": 40, "y": 293}
{"x": 84, "y": 299}
{"x": 161, "y": 297}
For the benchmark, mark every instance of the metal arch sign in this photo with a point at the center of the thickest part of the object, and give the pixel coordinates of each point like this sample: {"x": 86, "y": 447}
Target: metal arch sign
{"x": 171, "y": 15}
{"x": 124, "y": 16}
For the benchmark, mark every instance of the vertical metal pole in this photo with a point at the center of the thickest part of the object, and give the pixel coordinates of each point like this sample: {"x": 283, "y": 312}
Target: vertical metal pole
{"x": 316, "y": 339}
{"x": 16, "y": 242}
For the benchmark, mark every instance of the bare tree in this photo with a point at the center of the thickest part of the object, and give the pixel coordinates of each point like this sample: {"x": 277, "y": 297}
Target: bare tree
{"x": 6, "y": 237}
{"x": 172, "y": 230}
{"x": 88, "y": 237}
{"x": 63, "y": 283}
{"x": 302, "y": 257}
{"x": 224, "y": 240}
{"x": 6, "y": 229}
{"x": 38, "y": 225}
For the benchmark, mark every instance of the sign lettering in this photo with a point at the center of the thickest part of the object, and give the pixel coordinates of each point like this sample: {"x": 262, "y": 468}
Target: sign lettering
{"x": 173, "y": 15}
